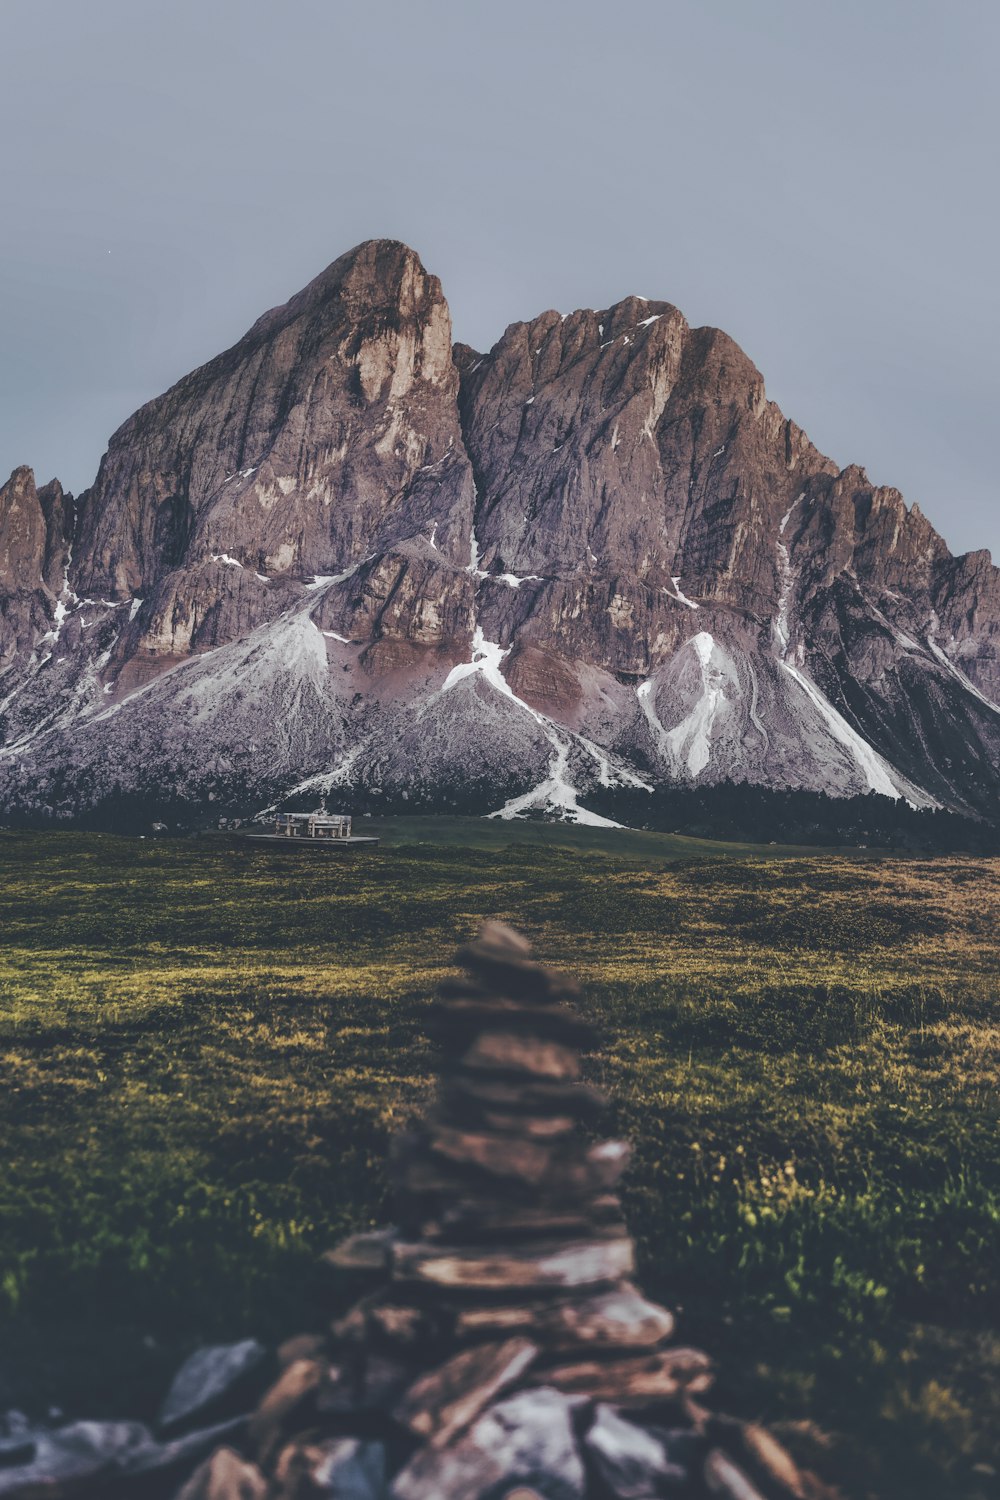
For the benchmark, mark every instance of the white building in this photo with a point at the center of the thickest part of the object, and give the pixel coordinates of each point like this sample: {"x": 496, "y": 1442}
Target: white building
{"x": 314, "y": 825}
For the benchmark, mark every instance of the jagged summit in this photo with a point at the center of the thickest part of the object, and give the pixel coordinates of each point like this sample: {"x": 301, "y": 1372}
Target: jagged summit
{"x": 348, "y": 553}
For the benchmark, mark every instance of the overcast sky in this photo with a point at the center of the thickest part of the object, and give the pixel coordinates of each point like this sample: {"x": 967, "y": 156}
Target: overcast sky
{"x": 818, "y": 179}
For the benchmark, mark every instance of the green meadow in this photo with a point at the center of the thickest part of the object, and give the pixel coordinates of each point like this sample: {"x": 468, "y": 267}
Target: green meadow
{"x": 206, "y": 1044}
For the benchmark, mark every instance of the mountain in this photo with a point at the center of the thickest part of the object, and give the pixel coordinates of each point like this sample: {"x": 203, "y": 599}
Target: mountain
{"x": 348, "y": 556}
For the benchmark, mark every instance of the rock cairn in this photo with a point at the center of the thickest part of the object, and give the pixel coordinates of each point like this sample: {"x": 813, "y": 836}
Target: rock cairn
{"x": 500, "y": 1350}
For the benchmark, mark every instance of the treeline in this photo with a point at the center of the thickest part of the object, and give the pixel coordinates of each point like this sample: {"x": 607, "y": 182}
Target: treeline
{"x": 728, "y": 811}
{"x": 758, "y": 815}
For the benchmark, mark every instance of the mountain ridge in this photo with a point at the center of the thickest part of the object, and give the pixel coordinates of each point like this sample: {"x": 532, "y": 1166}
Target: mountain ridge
{"x": 349, "y": 554}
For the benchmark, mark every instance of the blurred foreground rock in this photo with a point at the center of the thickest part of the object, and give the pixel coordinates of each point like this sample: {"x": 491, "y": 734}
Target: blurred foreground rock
{"x": 500, "y": 1350}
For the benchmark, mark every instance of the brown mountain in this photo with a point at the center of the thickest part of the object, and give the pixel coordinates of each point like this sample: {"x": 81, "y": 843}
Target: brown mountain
{"x": 346, "y": 554}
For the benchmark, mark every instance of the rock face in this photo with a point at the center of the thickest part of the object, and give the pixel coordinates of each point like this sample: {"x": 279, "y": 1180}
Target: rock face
{"x": 346, "y": 554}
{"x": 36, "y": 528}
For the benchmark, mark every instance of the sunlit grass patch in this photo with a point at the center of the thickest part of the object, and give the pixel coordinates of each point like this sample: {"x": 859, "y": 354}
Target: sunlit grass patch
{"x": 206, "y": 1047}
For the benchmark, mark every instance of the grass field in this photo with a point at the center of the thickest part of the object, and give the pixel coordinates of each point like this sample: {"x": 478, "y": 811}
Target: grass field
{"x": 204, "y": 1046}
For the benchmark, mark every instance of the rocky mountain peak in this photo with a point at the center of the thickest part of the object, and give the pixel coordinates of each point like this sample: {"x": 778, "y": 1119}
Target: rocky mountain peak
{"x": 347, "y": 390}
{"x": 36, "y": 528}
{"x": 347, "y": 553}
{"x": 22, "y": 532}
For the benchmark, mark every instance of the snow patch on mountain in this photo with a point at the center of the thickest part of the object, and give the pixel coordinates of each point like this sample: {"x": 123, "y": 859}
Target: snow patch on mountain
{"x": 555, "y": 794}
{"x": 686, "y": 748}
{"x": 876, "y": 771}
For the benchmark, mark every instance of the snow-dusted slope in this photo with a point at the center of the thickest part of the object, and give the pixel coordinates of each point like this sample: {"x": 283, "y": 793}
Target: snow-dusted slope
{"x": 340, "y": 559}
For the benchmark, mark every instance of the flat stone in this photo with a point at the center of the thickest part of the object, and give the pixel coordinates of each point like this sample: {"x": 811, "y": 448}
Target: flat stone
{"x": 758, "y": 1451}
{"x": 507, "y": 974}
{"x": 81, "y": 1454}
{"x": 498, "y": 1155}
{"x": 636, "y": 1380}
{"x": 502, "y": 941}
{"x": 225, "y": 1476}
{"x": 529, "y": 1096}
{"x": 291, "y": 1392}
{"x": 583, "y": 1263}
{"x": 431, "y": 1184}
{"x": 300, "y": 1346}
{"x": 367, "y": 1251}
{"x": 560, "y": 1170}
{"x": 65, "y": 1457}
{"x": 445, "y": 1401}
{"x": 535, "y": 1127}
{"x": 529, "y": 1056}
{"x": 723, "y": 1477}
{"x": 343, "y": 1468}
{"x": 396, "y": 1323}
{"x": 455, "y": 1021}
{"x": 589, "y": 1218}
{"x": 526, "y": 1441}
{"x": 207, "y": 1378}
{"x": 383, "y": 1319}
{"x": 181, "y": 1452}
{"x": 631, "y": 1463}
{"x": 619, "y": 1319}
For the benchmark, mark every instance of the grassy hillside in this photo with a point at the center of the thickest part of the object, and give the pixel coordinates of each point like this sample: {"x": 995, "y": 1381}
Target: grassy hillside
{"x": 205, "y": 1045}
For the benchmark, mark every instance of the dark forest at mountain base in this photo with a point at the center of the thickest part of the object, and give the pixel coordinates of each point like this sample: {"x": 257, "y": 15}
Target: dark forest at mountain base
{"x": 758, "y": 815}
{"x": 729, "y": 811}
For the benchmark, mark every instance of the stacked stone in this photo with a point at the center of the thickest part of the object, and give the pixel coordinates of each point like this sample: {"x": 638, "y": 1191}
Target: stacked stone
{"x": 512, "y": 1241}
{"x": 501, "y": 1351}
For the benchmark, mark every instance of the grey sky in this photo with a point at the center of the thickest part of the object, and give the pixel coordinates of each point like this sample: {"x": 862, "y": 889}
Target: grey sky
{"x": 819, "y": 180}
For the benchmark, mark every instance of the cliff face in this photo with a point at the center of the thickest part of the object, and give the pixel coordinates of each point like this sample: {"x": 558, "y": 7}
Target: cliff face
{"x": 345, "y": 554}
{"x": 327, "y": 434}
{"x": 35, "y": 535}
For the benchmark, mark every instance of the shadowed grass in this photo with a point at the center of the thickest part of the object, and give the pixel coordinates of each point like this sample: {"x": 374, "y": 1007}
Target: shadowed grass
{"x": 206, "y": 1045}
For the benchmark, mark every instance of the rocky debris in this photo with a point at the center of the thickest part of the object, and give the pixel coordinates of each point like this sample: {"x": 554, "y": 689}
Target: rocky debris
{"x": 343, "y": 1468}
{"x": 293, "y": 1394}
{"x": 78, "y": 1452}
{"x": 630, "y": 1462}
{"x": 207, "y": 1379}
{"x": 528, "y": 1439}
{"x": 225, "y": 1476}
{"x": 440, "y": 1404}
{"x": 94, "y": 1458}
{"x": 500, "y": 1348}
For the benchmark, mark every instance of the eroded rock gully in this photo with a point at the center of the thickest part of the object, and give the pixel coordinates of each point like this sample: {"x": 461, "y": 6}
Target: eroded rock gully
{"x": 501, "y": 1349}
